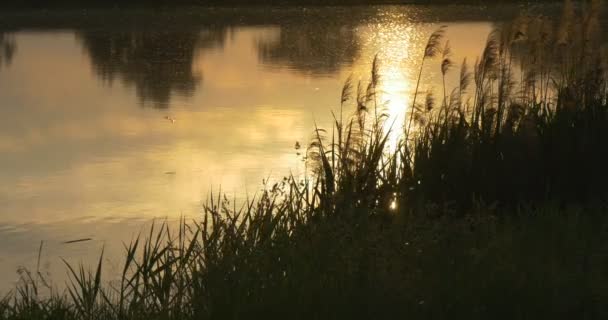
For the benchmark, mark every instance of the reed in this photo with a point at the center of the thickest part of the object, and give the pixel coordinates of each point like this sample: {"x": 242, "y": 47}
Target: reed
{"x": 536, "y": 139}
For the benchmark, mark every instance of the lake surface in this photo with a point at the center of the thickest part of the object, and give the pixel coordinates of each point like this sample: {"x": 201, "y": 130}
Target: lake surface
{"x": 112, "y": 118}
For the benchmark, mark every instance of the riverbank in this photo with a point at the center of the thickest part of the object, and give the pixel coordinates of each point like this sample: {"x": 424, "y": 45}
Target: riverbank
{"x": 542, "y": 262}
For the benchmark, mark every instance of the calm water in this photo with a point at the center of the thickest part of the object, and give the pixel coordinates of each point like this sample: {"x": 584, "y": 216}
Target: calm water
{"x": 110, "y": 119}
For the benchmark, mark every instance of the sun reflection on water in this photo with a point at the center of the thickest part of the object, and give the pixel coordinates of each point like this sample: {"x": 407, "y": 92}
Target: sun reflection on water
{"x": 93, "y": 151}
{"x": 395, "y": 42}
{"x": 394, "y": 93}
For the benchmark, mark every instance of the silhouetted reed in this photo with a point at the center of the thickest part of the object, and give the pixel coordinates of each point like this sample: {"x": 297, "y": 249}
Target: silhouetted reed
{"x": 532, "y": 128}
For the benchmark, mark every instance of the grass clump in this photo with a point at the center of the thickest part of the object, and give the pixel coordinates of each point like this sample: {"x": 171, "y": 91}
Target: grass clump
{"x": 526, "y": 125}
{"x": 275, "y": 261}
{"x": 492, "y": 206}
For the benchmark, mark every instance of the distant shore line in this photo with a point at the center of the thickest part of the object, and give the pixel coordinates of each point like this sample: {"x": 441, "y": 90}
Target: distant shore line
{"x": 189, "y": 15}
{"x": 92, "y": 4}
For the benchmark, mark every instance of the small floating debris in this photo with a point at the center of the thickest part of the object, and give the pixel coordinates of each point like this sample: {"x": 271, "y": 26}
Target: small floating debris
{"x": 297, "y": 146}
{"x": 170, "y": 172}
{"x": 77, "y": 240}
{"x": 170, "y": 119}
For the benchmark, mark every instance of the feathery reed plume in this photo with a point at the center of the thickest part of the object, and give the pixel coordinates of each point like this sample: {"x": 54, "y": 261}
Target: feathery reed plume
{"x": 464, "y": 81}
{"x": 454, "y": 103}
{"x": 433, "y": 46}
{"x": 429, "y": 101}
{"x": 375, "y": 74}
{"x": 490, "y": 55}
{"x": 446, "y": 65}
{"x": 486, "y": 72}
{"x": 446, "y": 62}
{"x": 347, "y": 89}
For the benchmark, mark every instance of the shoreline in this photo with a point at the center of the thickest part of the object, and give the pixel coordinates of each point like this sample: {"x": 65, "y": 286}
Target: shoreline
{"x": 98, "y": 17}
{"x": 165, "y": 4}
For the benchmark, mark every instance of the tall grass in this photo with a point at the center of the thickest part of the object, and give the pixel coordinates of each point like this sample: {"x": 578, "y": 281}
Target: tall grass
{"x": 532, "y": 127}
{"x": 275, "y": 260}
{"x": 526, "y": 125}
{"x": 492, "y": 206}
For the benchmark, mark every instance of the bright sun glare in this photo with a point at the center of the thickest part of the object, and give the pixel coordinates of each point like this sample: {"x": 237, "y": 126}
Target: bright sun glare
{"x": 395, "y": 97}
{"x": 394, "y": 45}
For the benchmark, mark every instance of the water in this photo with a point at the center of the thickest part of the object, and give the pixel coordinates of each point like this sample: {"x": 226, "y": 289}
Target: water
{"x": 112, "y": 118}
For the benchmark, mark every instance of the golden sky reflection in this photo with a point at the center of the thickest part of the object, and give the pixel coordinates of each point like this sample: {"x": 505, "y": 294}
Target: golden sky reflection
{"x": 400, "y": 46}
{"x": 73, "y": 146}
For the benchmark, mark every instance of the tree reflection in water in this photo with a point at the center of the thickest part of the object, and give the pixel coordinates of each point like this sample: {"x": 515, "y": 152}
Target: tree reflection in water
{"x": 8, "y": 47}
{"x": 157, "y": 63}
{"x": 315, "y": 48}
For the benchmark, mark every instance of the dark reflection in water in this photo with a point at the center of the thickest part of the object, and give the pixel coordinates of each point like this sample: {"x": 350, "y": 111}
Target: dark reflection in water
{"x": 154, "y": 52}
{"x": 315, "y": 48}
{"x": 7, "y": 49}
{"x": 157, "y": 63}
